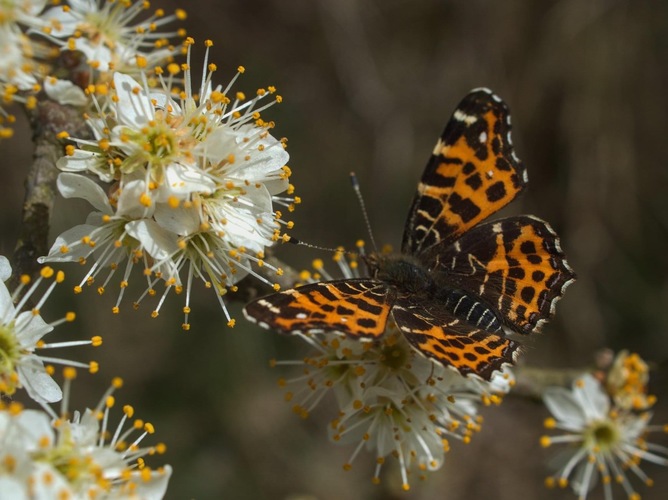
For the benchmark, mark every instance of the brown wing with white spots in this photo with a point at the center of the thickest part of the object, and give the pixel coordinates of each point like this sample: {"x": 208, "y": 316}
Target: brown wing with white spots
{"x": 356, "y": 307}
{"x": 516, "y": 265}
{"x": 472, "y": 173}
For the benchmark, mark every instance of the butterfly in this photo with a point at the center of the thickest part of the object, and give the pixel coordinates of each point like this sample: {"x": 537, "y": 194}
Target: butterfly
{"x": 459, "y": 285}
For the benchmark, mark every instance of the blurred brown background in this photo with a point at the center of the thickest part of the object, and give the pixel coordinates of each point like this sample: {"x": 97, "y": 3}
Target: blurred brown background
{"x": 368, "y": 86}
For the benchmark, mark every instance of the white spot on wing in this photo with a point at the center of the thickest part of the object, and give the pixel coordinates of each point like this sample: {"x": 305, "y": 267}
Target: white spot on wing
{"x": 268, "y": 305}
{"x": 438, "y": 147}
{"x": 460, "y": 116}
{"x": 301, "y": 316}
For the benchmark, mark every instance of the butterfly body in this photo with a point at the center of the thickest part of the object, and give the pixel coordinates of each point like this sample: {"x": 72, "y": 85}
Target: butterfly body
{"x": 401, "y": 271}
{"x": 458, "y": 284}
{"x": 412, "y": 281}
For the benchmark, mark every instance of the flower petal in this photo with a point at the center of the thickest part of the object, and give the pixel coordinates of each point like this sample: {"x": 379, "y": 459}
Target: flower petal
{"x": 68, "y": 246}
{"x": 85, "y": 161}
{"x": 564, "y": 407}
{"x": 134, "y": 108}
{"x": 158, "y": 242}
{"x": 38, "y": 384}
{"x": 5, "y": 268}
{"x": 181, "y": 221}
{"x": 78, "y": 186}
{"x": 64, "y": 92}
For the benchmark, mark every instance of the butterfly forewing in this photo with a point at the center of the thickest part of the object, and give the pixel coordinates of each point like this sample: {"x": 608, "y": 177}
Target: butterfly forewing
{"x": 357, "y": 307}
{"x": 472, "y": 173}
{"x": 515, "y": 264}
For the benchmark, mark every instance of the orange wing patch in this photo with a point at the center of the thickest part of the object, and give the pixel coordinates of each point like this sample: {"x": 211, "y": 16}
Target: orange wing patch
{"x": 472, "y": 173}
{"x": 356, "y": 307}
{"x": 453, "y": 342}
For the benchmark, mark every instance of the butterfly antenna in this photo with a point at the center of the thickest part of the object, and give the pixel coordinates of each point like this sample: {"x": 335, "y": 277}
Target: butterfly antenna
{"x": 295, "y": 241}
{"x": 358, "y": 192}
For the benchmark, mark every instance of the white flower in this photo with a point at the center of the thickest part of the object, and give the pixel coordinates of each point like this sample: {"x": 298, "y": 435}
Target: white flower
{"x": 604, "y": 440}
{"x": 195, "y": 177}
{"x": 109, "y": 34}
{"x": 392, "y": 401}
{"x": 21, "y": 333}
{"x": 16, "y": 65}
{"x": 46, "y": 455}
{"x": 24, "y": 12}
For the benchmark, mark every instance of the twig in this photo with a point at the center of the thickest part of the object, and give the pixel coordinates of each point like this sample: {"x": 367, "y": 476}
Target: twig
{"x": 47, "y": 119}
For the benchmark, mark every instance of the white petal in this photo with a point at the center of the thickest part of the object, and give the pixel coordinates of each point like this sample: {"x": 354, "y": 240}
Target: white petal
{"x": 38, "y": 384}
{"x": 14, "y": 488}
{"x": 47, "y": 483}
{"x": 64, "y": 92}
{"x": 182, "y": 221}
{"x": 564, "y": 407}
{"x": 84, "y": 6}
{"x": 134, "y": 109}
{"x": 261, "y": 162}
{"x": 78, "y": 186}
{"x": 30, "y": 328}
{"x": 65, "y": 23}
{"x": 154, "y": 488}
{"x": 129, "y": 201}
{"x": 6, "y": 304}
{"x": 5, "y": 268}
{"x": 592, "y": 398}
{"x": 85, "y": 161}
{"x": 181, "y": 180}
{"x": 158, "y": 242}
{"x": 70, "y": 239}
{"x": 35, "y": 426}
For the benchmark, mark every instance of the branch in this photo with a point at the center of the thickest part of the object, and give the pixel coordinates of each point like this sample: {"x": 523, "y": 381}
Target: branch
{"x": 47, "y": 119}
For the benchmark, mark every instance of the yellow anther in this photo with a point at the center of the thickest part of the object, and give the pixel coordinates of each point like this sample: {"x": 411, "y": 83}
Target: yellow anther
{"x": 70, "y": 373}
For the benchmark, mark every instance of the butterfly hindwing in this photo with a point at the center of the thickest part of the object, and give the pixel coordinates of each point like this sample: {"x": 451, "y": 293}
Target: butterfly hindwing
{"x": 473, "y": 172}
{"x": 516, "y": 265}
{"x": 356, "y": 307}
{"x": 446, "y": 338}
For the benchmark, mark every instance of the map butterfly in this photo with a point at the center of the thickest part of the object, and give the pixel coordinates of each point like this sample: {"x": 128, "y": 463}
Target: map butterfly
{"x": 459, "y": 284}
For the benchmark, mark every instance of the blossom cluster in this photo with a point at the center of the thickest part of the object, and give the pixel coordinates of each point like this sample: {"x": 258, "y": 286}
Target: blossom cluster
{"x": 391, "y": 400}
{"x": 22, "y": 362}
{"x": 49, "y": 455}
{"x": 191, "y": 180}
{"x": 605, "y": 421}
{"x": 96, "y": 37}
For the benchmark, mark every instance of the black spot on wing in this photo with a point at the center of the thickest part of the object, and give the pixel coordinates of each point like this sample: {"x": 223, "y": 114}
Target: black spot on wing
{"x": 464, "y": 207}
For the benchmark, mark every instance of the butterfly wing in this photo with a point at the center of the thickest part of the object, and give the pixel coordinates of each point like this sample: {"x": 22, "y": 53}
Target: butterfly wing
{"x": 472, "y": 173}
{"x": 516, "y": 265}
{"x": 356, "y": 307}
{"x": 442, "y": 336}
